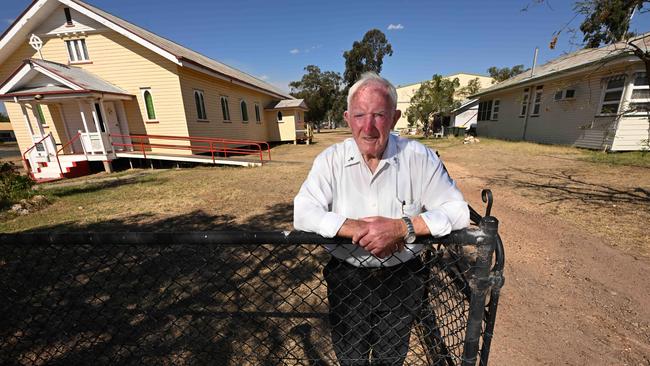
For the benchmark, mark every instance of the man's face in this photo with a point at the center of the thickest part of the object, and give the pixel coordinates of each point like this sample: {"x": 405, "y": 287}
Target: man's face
{"x": 371, "y": 117}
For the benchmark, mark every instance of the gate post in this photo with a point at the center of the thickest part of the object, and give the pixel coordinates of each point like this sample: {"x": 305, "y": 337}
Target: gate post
{"x": 479, "y": 285}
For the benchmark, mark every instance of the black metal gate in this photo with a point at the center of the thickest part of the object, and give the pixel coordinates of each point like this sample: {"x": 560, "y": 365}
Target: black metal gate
{"x": 223, "y": 298}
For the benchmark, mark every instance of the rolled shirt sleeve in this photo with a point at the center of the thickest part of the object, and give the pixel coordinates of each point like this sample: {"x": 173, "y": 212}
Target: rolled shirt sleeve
{"x": 312, "y": 204}
{"x": 444, "y": 208}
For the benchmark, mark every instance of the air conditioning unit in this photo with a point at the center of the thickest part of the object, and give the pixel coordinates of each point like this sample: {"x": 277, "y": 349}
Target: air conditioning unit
{"x": 565, "y": 94}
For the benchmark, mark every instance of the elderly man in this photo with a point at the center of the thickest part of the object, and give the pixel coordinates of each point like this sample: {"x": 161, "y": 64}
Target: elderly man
{"x": 381, "y": 191}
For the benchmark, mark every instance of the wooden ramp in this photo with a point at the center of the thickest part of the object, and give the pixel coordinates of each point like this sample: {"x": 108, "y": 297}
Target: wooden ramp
{"x": 238, "y": 161}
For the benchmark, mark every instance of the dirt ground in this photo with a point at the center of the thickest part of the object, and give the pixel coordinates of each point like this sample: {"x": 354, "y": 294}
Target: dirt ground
{"x": 576, "y": 290}
{"x": 575, "y": 234}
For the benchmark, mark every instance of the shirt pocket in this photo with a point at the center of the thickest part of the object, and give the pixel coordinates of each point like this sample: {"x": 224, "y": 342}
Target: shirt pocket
{"x": 412, "y": 209}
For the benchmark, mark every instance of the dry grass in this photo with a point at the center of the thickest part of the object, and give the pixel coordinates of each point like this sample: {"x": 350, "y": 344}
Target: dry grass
{"x": 610, "y": 200}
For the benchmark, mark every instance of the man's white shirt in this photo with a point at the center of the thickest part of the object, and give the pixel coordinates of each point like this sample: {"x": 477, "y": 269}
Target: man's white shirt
{"x": 409, "y": 180}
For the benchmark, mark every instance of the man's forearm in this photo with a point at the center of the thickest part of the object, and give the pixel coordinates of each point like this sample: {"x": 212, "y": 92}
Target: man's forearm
{"x": 350, "y": 227}
{"x": 420, "y": 227}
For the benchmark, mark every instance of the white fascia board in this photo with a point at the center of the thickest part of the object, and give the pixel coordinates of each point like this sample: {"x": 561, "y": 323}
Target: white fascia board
{"x": 593, "y": 66}
{"x": 21, "y": 23}
{"x": 56, "y": 77}
{"x": 206, "y": 71}
{"x": 107, "y": 23}
{"x": 11, "y": 83}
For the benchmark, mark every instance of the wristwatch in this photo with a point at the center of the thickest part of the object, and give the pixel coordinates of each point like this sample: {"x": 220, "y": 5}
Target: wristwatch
{"x": 410, "y": 231}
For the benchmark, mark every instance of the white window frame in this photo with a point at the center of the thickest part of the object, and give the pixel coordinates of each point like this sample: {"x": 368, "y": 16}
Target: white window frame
{"x": 524, "y": 102}
{"x": 634, "y": 87}
{"x": 225, "y": 108}
{"x": 201, "y": 114}
{"x": 537, "y": 101}
{"x": 241, "y": 109}
{"x": 605, "y": 90}
{"x": 496, "y": 104}
{"x": 258, "y": 113}
{"x": 77, "y": 50}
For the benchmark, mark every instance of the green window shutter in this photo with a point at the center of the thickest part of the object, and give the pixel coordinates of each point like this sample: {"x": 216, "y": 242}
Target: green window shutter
{"x": 198, "y": 105}
{"x": 41, "y": 116}
{"x": 224, "y": 109}
{"x": 244, "y": 111}
{"x": 148, "y": 101}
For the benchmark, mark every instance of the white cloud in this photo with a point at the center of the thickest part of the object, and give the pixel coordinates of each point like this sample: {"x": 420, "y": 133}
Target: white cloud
{"x": 264, "y": 77}
{"x": 294, "y": 51}
{"x": 392, "y": 26}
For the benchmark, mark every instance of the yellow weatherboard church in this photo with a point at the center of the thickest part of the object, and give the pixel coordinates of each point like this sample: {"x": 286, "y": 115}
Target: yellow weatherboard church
{"x": 81, "y": 85}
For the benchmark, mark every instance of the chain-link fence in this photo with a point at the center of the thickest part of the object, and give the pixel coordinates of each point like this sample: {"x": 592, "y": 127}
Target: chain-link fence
{"x": 243, "y": 298}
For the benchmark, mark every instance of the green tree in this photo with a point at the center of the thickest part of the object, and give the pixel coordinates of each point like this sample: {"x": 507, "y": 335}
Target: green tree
{"x": 320, "y": 90}
{"x": 472, "y": 87}
{"x": 4, "y": 117}
{"x": 433, "y": 100}
{"x": 504, "y": 73}
{"x": 606, "y": 21}
{"x": 366, "y": 55}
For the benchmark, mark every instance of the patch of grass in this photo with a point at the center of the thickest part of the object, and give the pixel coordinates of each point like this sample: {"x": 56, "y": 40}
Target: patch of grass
{"x": 13, "y": 185}
{"x": 633, "y": 158}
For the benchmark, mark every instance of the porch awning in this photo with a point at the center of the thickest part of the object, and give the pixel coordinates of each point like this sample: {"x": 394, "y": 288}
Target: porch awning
{"x": 41, "y": 79}
{"x": 288, "y": 104}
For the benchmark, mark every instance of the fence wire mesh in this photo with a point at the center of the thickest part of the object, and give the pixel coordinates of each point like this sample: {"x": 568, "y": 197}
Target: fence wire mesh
{"x": 153, "y": 302}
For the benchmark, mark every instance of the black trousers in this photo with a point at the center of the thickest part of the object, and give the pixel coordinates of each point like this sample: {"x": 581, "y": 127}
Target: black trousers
{"x": 372, "y": 310}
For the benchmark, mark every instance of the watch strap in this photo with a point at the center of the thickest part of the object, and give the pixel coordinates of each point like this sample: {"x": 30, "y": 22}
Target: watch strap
{"x": 409, "y": 227}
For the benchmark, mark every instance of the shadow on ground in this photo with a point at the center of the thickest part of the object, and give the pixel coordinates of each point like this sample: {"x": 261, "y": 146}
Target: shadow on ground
{"x": 164, "y": 304}
{"x": 566, "y": 187}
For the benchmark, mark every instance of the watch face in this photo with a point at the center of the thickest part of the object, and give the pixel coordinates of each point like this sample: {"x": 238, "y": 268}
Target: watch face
{"x": 410, "y": 239}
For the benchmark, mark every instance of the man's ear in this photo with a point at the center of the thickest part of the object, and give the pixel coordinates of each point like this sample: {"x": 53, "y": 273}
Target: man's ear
{"x": 398, "y": 114}
{"x": 346, "y": 116}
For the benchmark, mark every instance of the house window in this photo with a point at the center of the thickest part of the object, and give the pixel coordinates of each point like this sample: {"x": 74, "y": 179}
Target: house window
{"x": 200, "y": 105}
{"x": 524, "y": 102}
{"x": 279, "y": 116}
{"x": 484, "y": 110}
{"x": 148, "y": 104}
{"x": 537, "y": 102}
{"x": 612, "y": 95}
{"x": 225, "y": 110}
{"x": 68, "y": 16}
{"x": 495, "y": 109}
{"x": 258, "y": 119}
{"x": 640, "y": 98}
{"x": 41, "y": 115}
{"x": 244, "y": 111}
{"x": 564, "y": 94}
{"x": 297, "y": 116}
{"x": 77, "y": 51}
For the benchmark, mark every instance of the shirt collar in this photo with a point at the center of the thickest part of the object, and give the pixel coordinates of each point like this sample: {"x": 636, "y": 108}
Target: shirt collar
{"x": 353, "y": 155}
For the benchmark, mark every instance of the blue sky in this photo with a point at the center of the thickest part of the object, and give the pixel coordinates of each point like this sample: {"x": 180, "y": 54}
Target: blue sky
{"x": 275, "y": 40}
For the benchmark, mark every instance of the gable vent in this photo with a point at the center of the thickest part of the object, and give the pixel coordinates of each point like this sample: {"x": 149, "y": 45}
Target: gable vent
{"x": 68, "y": 16}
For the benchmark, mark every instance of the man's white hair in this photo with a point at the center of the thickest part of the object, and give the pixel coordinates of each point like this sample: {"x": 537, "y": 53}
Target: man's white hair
{"x": 372, "y": 78}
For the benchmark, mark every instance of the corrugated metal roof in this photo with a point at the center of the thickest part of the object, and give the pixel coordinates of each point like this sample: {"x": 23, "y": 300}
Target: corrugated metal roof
{"x": 185, "y": 53}
{"x": 288, "y": 103}
{"x": 575, "y": 60}
{"x": 79, "y": 76}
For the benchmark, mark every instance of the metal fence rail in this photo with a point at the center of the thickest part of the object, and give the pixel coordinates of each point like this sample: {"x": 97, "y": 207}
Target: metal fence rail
{"x": 222, "y": 298}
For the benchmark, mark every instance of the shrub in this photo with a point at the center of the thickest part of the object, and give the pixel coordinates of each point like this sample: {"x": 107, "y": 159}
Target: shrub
{"x": 13, "y": 186}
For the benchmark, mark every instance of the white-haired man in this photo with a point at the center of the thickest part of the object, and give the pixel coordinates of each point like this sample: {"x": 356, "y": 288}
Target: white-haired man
{"x": 381, "y": 191}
